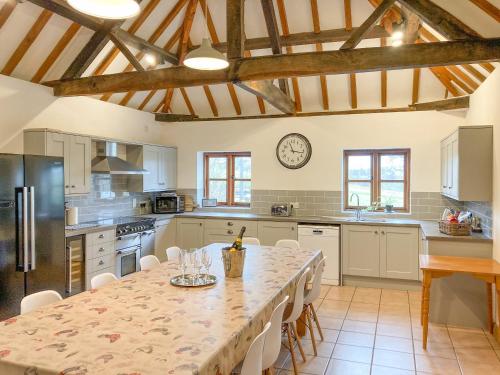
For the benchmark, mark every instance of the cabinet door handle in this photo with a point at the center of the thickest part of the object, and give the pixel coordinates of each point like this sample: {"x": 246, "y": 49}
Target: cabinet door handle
{"x": 229, "y": 232}
{"x": 382, "y": 232}
{"x": 293, "y": 228}
{"x": 101, "y": 236}
{"x": 101, "y": 249}
{"x": 66, "y": 186}
{"x": 201, "y": 224}
{"x": 73, "y": 186}
{"x": 376, "y": 232}
{"x": 229, "y": 224}
{"x": 101, "y": 262}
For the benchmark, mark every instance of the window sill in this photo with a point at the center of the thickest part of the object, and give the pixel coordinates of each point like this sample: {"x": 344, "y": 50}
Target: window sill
{"x": 377, "y": 213}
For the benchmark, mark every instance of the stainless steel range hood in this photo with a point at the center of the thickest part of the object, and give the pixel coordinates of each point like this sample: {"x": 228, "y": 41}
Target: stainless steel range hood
{"x": 108, "y": 162}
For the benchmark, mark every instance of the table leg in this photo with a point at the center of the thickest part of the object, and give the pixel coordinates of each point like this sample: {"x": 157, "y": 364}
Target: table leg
{"x": 489, "y": 294}
{"x": 426, "y": 291}
{"x": 497, "y": 287}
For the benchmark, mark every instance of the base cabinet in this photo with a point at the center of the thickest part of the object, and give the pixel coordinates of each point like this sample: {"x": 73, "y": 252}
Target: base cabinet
{"x": 386, "y": 252}
{"x": 190, "y": 233}
{"x": 360, "y": 250}
{"x": 165, "y": 237}
{"x": 272, "y": 231}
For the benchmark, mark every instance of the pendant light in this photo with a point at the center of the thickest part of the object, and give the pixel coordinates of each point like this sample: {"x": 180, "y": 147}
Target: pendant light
{"x": 397, "y": 35}
{"x": 206, "y": 57}
{"x": 109, "y": 9}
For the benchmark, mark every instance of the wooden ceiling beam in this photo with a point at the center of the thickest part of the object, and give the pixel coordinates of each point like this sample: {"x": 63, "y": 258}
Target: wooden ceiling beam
{"x": 162, "y": 117}
{"x": 27, "y": 42}
{"x": 61, "y": 8}
{"x": 488, "y": 8}
{"x": 289, "y": 50}
{"x": 215, "y": 39}
{"x": 274, "y": 35}
{"x": 270, "y": 93}
{"x": 352, "y": 76}
{"x": 383, "y": 80}
{"x": 6, "y": 11}
{"x": 440, "y": 20}
{"x": 56, "y": 52}
{"x": 293, "y": 65}
{"x": 443, "y": 105}
{"x": 235, "y": 28}
{"x": 319, "y": 47}
{"x": 187, "y": 101}
{"x": 120, "y": 45}
{"x": 113, "y": 53}
{"x": 260, "y": 101}
{"x": 369, "y": 23}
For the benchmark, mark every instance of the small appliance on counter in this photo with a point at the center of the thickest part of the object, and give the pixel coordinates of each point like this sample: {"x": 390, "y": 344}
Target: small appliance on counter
{"x": 169, "y": 203}
{"x": 281, "y": 209}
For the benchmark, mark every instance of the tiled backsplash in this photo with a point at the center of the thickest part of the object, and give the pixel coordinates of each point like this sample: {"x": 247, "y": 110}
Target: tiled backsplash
{"x": 108, "y": 198}
{"x": 484, "y": 211}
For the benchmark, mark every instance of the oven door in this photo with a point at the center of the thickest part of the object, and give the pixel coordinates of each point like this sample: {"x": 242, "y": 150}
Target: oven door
{"x": 127, "y": 261}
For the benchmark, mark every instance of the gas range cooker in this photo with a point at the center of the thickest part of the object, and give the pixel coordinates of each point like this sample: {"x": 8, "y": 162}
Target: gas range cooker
{"x": 130, "y": 224}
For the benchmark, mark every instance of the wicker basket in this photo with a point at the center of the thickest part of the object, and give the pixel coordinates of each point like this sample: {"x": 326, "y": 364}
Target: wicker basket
{"x": 454, "y": 229}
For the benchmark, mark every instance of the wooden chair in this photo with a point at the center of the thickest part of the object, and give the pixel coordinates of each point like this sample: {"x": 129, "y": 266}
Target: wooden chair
{"x": 310, "y": 297}
{"x": 272, "y": 345}
{"x": 290, "y": 244}
{"x": 252, "y": 364}
{"x": 293, "y": 312}
{"x": 36, "y": 300}
{"x": 102, "y": 279}
{"x": 148, "y": 262}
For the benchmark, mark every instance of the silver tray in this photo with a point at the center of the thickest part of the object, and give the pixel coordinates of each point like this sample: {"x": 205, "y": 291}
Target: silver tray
{"x": 190, "y": 281}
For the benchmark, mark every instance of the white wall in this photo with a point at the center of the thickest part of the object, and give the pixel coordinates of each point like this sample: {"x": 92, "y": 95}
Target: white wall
{"x": 26, "y": 105}
{"x": 485, "y": 110}
{"x": 329, "y": 136}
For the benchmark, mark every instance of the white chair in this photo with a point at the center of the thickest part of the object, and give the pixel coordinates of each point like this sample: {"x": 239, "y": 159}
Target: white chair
{"x": 251, "y": 241}
{"x": 252, "y": 364}
{"x": 148, "y": 262}
{"x": 289, "y": 321}
{"x": 272, "y": 345}
{"x": 290, "y": 244}
{"x": 173, "y": 253}
{"x": 312, "y": 295}
{"x": 102, "y": 279}
{"x": 36, "y": 300}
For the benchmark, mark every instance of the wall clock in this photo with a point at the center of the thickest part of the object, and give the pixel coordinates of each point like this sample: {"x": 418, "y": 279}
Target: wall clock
{"x": 293, "y": 151}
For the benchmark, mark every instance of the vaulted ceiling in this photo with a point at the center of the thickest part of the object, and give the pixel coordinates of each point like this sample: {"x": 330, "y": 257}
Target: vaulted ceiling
{"x": 39, "y": 45}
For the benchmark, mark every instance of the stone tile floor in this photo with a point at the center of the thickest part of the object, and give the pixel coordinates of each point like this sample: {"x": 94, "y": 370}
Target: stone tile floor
{"x": 377, "y": 331}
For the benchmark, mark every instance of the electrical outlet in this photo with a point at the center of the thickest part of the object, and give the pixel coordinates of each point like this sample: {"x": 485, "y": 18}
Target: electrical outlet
{"x": 143, "y": 204}
{"x": 295, "y": 205}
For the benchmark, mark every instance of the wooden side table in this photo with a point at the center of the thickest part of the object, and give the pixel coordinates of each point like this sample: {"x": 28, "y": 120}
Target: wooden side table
{"x": 434, "y": 267}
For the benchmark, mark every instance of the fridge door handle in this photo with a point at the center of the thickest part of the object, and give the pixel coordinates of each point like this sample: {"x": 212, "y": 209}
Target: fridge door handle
{"x": 68, "y": 269}
{"x": 25, "y": 230}
{"x": 32, "y": 227}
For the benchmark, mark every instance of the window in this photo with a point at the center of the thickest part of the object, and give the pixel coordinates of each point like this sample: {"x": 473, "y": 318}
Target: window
{"x": 377, "y": 176}
{"x": 228, "y": 178}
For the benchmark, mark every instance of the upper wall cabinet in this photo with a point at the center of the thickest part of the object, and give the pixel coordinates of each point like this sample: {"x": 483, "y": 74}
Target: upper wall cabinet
{"x": 160, "y": 162}
{"x": 76, "y": 151}
{"x": 467, "y": 164}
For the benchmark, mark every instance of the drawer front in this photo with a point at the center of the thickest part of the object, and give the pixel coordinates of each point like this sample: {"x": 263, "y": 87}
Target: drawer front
{"x": 234, "y": 225}
{"x": 99, "y": 238}
{"x": 232, "y": 231}
{"x": 95, "y": 251}
{"x": 100, "y": 263}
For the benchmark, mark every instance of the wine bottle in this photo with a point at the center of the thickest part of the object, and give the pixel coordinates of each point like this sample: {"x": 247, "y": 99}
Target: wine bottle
{"x": 238, "y": 243}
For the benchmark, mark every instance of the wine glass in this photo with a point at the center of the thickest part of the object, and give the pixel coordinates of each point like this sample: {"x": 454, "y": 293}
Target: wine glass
{"x": 181, "y": 259}
{"x": 195, "y": 263}
{"x": 207, "y": 263}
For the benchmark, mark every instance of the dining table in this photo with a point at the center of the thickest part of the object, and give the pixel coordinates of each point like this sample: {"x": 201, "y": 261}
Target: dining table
{"x": 141, "y": 324}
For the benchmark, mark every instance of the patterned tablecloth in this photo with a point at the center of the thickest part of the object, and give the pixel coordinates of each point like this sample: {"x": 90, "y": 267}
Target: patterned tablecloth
{"x": 142, "y": 325}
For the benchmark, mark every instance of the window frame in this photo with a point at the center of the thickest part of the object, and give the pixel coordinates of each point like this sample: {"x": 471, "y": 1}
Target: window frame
{"x": 230, "y": 176}
{"x": 376, "y": 180}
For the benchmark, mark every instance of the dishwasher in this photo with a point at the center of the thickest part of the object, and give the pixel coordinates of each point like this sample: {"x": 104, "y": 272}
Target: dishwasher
{"x": 324, "y": 238}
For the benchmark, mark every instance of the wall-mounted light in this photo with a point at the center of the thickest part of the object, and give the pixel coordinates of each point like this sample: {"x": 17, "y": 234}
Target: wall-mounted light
{"x": 109, "y": 9}
{"x": 397, "y": 35}
{"x": 151, "y": 59}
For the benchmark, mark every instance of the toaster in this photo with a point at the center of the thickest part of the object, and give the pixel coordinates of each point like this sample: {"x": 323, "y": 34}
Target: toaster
{"x": 281, "y": 209}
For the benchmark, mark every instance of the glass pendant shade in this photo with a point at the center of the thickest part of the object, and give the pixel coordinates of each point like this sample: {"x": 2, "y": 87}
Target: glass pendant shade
{"x": 109, "y": 9}
{"x": 205, "y": 57}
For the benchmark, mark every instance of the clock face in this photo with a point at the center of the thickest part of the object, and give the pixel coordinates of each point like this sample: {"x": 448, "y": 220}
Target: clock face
{"x": 293, "y": 151}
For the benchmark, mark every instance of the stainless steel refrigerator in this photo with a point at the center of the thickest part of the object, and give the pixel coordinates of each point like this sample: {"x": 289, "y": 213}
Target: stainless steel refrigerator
{"x": 32, "y": 243}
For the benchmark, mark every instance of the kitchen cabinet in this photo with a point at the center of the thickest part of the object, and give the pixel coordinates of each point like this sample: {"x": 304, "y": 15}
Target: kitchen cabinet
{"x": 76, "y": 151}
{"x": 189, "y": 233}
{"x": 466, "y": 164}
{"x": 386, "y": 251}
{"x": 360, "y": 250}
{"x": 165, "y": 237}
{"x": 161, "y": 164}
{"x": 399, "y": 253}
{"x": 99, "y": 254}
{"x": 269, "y": 232}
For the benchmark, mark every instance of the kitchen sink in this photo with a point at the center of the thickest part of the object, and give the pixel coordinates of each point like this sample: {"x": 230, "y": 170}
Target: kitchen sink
{"x": 365, "y": 220}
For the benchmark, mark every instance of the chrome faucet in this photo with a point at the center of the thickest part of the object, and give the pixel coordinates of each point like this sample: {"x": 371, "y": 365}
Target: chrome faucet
{"x": 358, "y": 208}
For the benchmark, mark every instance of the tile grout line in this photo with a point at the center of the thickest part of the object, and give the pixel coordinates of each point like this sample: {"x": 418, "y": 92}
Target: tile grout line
{"x": 454, "y": 351}
{"x": 375, "y": 333}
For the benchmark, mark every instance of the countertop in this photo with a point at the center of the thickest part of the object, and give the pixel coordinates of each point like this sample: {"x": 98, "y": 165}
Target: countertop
{"x": 430, "y": 229}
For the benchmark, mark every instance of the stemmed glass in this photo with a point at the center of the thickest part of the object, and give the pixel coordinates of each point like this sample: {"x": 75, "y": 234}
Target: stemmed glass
{"x": 206, "y": 260}
{"x": 181, "y": 259}
{"x": 195, "y": 260}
